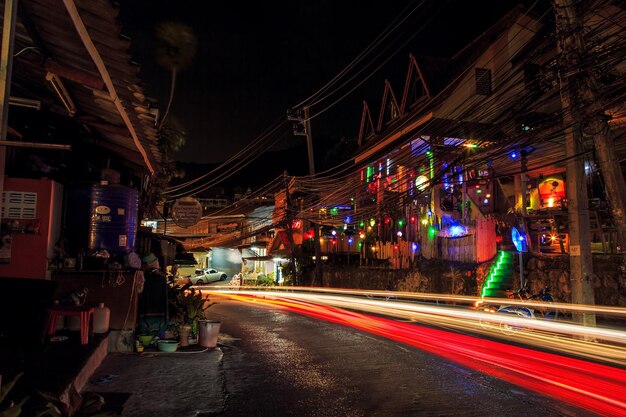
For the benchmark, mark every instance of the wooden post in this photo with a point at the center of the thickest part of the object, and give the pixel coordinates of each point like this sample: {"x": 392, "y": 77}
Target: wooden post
{"x": 289, "y": 226}
{"x": 6, "y": 68}
{"x": 305, "y": 121}
{"x": 585, "y": 99}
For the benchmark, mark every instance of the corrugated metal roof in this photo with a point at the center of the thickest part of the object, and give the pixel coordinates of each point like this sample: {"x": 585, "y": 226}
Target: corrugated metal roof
{"x": 46, "y": 40}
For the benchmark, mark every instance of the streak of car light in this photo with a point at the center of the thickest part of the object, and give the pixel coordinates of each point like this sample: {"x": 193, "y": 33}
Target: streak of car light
{"x": 389, "y": 307}
{"x": 470, "y": 300}
{"x": 596, "y": 387}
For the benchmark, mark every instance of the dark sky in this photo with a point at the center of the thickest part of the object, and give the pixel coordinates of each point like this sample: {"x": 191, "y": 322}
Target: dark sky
{"x": 256, "y": 59}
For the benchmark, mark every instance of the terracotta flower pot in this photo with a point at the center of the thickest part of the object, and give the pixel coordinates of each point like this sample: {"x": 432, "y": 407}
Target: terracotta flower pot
{"x": 184, "y": 332}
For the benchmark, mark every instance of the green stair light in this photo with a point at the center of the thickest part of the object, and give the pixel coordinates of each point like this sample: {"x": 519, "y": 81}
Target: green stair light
{"x": 500, "y": 272}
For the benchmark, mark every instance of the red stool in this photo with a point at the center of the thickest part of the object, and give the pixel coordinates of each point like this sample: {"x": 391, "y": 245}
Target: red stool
{"x": 86, "y": 319}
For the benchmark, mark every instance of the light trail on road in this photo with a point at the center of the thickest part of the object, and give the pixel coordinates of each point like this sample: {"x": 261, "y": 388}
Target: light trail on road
{"x": 428, "y": 297}
{"x": 596, "y": 387}
{"x": 603, "y": 344}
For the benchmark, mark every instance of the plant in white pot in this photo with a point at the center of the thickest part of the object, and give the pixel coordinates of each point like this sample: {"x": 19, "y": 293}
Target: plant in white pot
{"x": 190, "y": 306}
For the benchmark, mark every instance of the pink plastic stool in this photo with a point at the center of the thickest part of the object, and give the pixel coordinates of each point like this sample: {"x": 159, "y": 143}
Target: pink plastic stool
{"x": 86, "y": 319}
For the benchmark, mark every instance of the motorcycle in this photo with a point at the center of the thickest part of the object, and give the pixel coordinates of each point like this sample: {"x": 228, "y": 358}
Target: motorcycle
{"x": 544, "y": 295}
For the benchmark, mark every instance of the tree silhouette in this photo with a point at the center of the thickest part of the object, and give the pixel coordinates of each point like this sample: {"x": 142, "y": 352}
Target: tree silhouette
{"x": 176, "y": 46}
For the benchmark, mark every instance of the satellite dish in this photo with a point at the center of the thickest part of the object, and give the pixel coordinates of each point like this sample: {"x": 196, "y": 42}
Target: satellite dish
{"x": 519, "y": 239}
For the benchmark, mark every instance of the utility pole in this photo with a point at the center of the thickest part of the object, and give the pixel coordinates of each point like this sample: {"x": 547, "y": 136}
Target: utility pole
{"x": 289, "y": 226}
{"x": 583, "y": 91}
{"x": 302, "y": 127}
{"x": 6, "y": 67}
{"x": 571, "y": 79}
{"x": 524, "y": 200}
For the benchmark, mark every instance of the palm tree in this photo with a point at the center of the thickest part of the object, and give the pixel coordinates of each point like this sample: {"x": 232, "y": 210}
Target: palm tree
{"x": 176, "y": 47}
{"x": 171, "y": 138}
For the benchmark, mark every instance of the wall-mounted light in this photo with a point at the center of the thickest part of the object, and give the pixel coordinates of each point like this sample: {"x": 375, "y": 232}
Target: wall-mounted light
{"x": 60, "y": 90}
{"x": 25, "y": 102}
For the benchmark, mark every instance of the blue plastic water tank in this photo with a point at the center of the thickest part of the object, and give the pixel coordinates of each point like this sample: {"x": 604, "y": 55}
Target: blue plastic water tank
{"x": 113, "y": 218}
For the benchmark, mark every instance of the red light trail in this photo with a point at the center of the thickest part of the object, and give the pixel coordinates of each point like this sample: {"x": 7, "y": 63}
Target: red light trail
{"x": 592, "y": 386}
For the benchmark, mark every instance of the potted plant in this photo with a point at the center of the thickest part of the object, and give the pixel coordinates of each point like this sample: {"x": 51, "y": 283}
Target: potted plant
{"x": 187, "y": 306}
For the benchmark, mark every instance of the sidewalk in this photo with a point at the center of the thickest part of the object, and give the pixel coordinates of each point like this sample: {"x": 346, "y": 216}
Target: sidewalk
{"x": 156, "y": 384}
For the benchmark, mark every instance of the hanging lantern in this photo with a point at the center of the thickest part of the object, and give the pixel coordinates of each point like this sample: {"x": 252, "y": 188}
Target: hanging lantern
{"x": 421, "y": 182}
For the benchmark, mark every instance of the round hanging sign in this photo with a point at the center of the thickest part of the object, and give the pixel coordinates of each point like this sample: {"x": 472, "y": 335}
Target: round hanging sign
{"x": 186, "y": 211}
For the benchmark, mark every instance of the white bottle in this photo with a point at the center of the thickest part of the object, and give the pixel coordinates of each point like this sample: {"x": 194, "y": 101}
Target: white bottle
{"x": 101, "y": 318}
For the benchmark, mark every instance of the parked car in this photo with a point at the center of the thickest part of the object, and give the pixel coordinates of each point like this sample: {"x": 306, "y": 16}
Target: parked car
{"x": 204, "y": 276}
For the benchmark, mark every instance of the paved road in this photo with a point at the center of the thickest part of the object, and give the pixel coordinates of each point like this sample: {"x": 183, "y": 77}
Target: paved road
{"x": 279, "y": 364}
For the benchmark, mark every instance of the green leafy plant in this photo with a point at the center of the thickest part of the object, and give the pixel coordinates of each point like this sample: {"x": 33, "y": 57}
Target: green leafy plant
{"x": 41, "y": 404}
{"x": 265, "y": 280}
{"x": 12, "y": 408}
{"x": 187, "y": 304}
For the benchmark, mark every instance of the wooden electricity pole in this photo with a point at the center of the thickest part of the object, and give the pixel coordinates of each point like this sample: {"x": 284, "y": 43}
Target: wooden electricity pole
{"x": 304, "y": 122}
{"x": 289, "y": 226}
{"x": 584, "y": 96}
{"x": 581, "y": 267}
{"x": 6, "y": 66}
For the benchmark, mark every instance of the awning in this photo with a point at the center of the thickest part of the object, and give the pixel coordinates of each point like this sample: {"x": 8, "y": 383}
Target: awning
{"x": 258, "y": 258}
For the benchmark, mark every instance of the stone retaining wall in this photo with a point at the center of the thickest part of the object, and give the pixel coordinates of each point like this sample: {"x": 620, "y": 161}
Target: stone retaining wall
{"x": 443, "y": 277}
{"x": 553, "y": 271}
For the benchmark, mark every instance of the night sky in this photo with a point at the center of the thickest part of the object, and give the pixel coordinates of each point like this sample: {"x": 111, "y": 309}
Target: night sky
{"x": 256, "y": 59}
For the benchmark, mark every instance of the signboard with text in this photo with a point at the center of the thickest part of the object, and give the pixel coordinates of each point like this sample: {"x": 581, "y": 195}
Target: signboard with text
{"x": 186, "y": 211}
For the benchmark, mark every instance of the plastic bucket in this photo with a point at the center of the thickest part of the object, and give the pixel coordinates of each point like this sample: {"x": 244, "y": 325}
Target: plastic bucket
{"x": 208, "y": 331}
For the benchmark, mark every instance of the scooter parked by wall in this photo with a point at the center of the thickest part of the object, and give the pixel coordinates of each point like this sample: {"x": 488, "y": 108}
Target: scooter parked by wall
{"x": 528, "y": 312}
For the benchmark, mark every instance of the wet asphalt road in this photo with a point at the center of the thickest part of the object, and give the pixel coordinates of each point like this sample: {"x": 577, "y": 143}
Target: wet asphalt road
{"x": 283, "y": 364}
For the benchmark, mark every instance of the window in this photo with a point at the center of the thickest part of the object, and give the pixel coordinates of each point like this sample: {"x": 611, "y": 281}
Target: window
{"x": 483, "y": 81}
{"x": 19, "y": 205}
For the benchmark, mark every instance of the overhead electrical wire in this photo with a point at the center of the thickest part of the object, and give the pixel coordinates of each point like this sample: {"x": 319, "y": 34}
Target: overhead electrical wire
{"x": 238, "y": 166}
{"x": 375, "y": 43}
{"x": 397, "y": 21}
{"x": 381, "y": 37}
{"x": 346, "y": 189}
{"x": 374, "y": 71}
{"x": 259, "y": 140}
